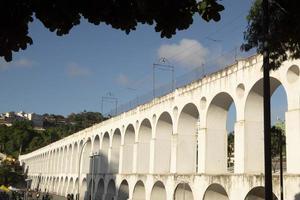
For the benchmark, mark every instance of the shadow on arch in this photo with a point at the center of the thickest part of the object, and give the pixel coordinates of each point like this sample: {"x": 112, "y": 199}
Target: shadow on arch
{"x": 158, "y": 191}
{"x": 123, "y": 193}
{"x": 215, "y": 192}
{"x": 139, "y": 191}
{"x": 183, "y": 192}
{"x": 258, "y": 193}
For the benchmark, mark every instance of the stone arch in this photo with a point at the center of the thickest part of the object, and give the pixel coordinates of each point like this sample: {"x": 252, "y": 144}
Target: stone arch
{"x": 57, "y": 185}
{"x": 96, "y": 157}
{"x": 69, "y": 159}
{"x": 46, "y": 183}
{"x": 76, "y": 186}
{"x": 96, "y": 144}
{"x": 139, "y": 191}
{"x": 60, "y": 160}
{"x": 115, "y": 151}
{"x": 80, "y": 162}
{"x": 143, "y": 151}
{"x": 163, "y": 135}
{"x": 53, "y": 169}
{"x": 104, "y": 152}
{"x": 215, "y": 191}
{"x": 42, "y": 183}
{"x": 253, "y": 126}
{"x": 75, "y": 158}
{"x": 86, "y": 161}
{"x": 111, "y": 190}
{"x": 70, "y": 187}
{"x": 258, "y": 193}
{"x": 100, "y": 189}
{"x": 158, "y": 191}
{"x": 60, "y": 185}
{"x": 90, "y": 189}
{"x": 183, "y": 192}
{"x": 129, "y": 139}
{"x": 187, "y": 139}
{"x": 49, "y": 161}
{"x": 292, "y": 74}
{"x": 216, "y": 136}
{"x": 83, "y": 190}
{"x": 65, "y": 187}
{"x": 65, "y": 160}
{"x": 51, "y": 184}
{"x": 123, "y": 193}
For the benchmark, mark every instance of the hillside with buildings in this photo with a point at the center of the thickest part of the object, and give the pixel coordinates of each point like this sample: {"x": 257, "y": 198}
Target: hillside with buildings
{"x": 9, "y": 118}
{"x": 25, "y": 132}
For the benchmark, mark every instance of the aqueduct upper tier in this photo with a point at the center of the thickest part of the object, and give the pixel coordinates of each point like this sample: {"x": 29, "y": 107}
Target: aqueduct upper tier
{"x": 175, "y": 147}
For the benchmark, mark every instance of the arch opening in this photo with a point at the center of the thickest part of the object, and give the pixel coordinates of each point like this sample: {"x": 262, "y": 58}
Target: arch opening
{"x": 65, "y": 187}
{"x": 123, "y": 193}
{"x": 111, "y": 190}
{"x": 183, "y": 192}
{"x": 217, "y": 133}
{"x": 143, "y": 152}
{"x": 100, "y": 190}
{"x": 96, "y": 157}
{"x": 86, "y": 160}
{"x": 65, "y": 160}
{"x": 258, "y": 193}
{"x": 60, "y": 186}
{"x": 115, "y": 152}
{"x": 68, "y": 159}
{"x": 83, "y": 190}
{"x": 253, "y": 127}
{"x": 139, "y": 191}
{"x": 129, "y": 139}
{"x": 90, "y": 189}
{"x": 74, "y": 166}
{"x": 70, "y": 187}
{"x": 278, "y": 110}
{"x": 163, "y": 135}
{"x": 104, "y": 153}
{"x": 187, "y": 139}
{"x": 158, "y": 191}
{"x": 76, "y": 186}
{"x": 215, "y": 191}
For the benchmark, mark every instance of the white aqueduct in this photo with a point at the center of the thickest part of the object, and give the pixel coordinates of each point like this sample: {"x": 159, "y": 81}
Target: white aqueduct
{"x": 175, "y": 147}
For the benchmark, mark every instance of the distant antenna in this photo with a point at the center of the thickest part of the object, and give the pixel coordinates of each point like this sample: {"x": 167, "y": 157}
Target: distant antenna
{"x": 109, "y": 98}
{"x": 163, "y": 65}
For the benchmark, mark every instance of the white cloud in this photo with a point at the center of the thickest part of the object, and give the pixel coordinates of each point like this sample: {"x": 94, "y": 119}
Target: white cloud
{"x": 123, "y": 80}
{"x": 75, "y": 70}
{"x": 20, "y": 63}
{"x": 188, "y": 53}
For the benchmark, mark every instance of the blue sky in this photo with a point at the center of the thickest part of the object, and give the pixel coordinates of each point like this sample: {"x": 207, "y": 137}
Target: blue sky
{"x": 68, "y": 74}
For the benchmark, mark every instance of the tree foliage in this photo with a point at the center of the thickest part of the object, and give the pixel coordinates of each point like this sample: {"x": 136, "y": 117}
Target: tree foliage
{"x": 11, "y": 174}
{"x": 284, "y": 28}
{"x": 276, "y": 131}
{"x": 61, "y": 16}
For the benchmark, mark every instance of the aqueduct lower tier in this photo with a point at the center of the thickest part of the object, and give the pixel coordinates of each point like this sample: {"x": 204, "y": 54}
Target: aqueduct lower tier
{"x": 175, "y": 147}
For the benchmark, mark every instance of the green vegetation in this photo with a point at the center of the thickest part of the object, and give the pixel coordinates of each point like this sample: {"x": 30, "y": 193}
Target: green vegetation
{"x": 11, "y": 174}
{"x": 21, "y": 137}
{"x": 276, "y": 130}
{"x": 167, "y": 17}
{"x": 284, "y": 38}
